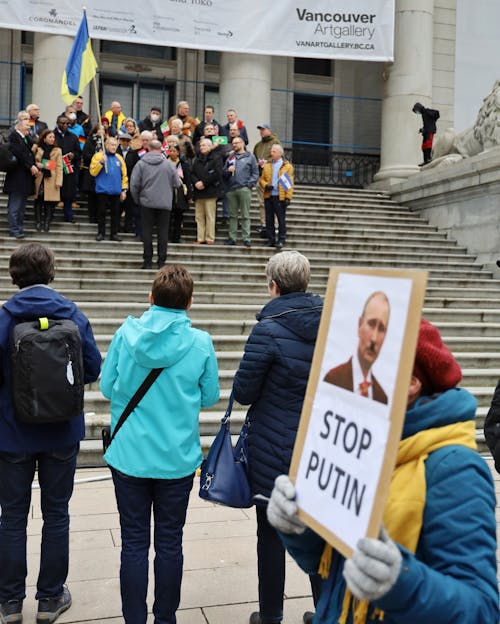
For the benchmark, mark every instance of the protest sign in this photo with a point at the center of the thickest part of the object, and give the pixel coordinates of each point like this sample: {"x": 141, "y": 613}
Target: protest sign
{"x": 355, "y": 402}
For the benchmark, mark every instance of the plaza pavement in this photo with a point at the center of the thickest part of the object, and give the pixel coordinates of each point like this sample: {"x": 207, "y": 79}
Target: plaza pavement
{"x": 220, "y": 573}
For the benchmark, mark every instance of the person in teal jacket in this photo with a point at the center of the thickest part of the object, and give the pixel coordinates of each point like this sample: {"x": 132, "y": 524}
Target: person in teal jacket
{"x": 434, "y": 563}
{"x": 156, "y": 452}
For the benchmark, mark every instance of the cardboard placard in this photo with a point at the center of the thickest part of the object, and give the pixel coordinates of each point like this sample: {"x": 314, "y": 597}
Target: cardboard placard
{"x": 355, "y": 403}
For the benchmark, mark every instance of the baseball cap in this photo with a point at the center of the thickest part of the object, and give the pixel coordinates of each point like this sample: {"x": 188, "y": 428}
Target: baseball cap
{"x": 263, "y": 126}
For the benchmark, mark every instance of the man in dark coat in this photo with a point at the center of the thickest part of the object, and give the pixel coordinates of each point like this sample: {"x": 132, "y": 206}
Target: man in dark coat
{"x": 130, "y": 157}
{"x": 153, "y": 122}
{"x": 355, "y": 374}
{"x": 19, "y": 181}
{"x": 36, "y": 126}
{"x": 72, "y": 155}
{"x": 272, "y": 378}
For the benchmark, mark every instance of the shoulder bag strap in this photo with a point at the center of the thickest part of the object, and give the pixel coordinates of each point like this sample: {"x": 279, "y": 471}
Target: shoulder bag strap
{"x": 135, "y": 400}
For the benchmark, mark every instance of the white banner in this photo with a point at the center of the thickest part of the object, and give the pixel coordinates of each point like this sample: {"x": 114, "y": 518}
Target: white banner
{"x": 342, "y": 29}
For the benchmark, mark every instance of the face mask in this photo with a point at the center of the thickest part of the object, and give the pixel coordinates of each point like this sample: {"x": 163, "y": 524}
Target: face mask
{"x": 155, "y": 117}
{"x": 72, "y": 116}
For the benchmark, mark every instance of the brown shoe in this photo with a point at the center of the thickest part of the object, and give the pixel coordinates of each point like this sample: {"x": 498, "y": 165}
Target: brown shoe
{"x": 60, "y": 204}
{"x": 75, "y": 205}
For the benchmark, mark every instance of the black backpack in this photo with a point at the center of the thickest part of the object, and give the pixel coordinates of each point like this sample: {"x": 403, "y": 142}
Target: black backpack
{"x": 47, "y": 371}
{"x": 7, "y": 159}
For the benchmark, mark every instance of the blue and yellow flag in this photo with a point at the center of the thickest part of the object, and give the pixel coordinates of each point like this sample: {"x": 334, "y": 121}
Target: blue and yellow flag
{"x": 81, "y": 66}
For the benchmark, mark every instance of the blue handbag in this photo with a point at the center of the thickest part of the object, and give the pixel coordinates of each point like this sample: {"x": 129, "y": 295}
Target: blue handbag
{"x": 224, "y": 472}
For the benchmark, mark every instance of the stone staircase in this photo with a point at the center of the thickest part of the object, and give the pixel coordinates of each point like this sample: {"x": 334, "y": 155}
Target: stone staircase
{"x": 331, "y": 226}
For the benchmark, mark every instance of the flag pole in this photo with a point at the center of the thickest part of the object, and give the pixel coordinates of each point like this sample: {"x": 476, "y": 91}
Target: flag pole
{"x": 98, "y": 106}
{"x": 101, "y": 129}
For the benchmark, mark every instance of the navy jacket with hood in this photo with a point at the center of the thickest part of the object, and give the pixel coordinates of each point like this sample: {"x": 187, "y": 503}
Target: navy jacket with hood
{"x": 272, "y": 377}
{"x": 28, "y": 304}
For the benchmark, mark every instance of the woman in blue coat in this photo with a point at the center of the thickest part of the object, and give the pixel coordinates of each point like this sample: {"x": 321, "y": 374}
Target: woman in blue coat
{"x": 156, "y": 452}
{"x": 440, "y": 565}
{"x": 272, "y": 378}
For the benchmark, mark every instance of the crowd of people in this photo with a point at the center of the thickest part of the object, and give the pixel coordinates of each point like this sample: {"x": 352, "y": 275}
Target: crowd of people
{"x": 212, "y": 163}
{"x": 435, "y": 558}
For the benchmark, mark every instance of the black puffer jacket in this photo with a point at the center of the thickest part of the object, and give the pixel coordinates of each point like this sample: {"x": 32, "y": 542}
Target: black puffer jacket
{"x": 272, "y": 378}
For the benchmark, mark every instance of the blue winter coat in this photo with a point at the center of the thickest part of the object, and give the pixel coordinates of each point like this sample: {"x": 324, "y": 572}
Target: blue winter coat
{"x": 272, "y": 377}
{"x": 160, "y": 439}
{"x": 29, "y": 304}
{"x": 452, "y": 577}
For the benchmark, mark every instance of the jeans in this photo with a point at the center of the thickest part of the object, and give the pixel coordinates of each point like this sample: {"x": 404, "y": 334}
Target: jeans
{"x": 275, "y": 207}
{"x": 239, "y": 200}
{"x": 56, "y": 471}
{"x": 271, "y": 571}
{"x": 169, "y": 500}
{"x": 148, "y": 218}
{"x": 16, "y": 206}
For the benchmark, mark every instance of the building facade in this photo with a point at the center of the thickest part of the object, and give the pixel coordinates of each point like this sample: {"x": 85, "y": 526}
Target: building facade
{"x": 319, "y": 106}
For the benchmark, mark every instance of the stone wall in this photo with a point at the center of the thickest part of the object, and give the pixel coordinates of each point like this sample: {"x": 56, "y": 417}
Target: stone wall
{"x": 463, "y": 199}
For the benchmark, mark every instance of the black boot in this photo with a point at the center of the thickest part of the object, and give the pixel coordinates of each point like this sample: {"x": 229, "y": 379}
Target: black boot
{"x": 427, "y": 155}
{"x": 38, "y": 216}
{"x": 47, "y": 218}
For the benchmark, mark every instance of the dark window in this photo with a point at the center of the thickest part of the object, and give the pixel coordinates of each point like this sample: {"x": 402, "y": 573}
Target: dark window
{"x": 212, "y": 57}
{"x": 123, "y": 48}
{"x": 27, "y": 37}
{"x": 313, "y": 66}
{"x": 312, "y": 116}
{"x": 136, "y": 96}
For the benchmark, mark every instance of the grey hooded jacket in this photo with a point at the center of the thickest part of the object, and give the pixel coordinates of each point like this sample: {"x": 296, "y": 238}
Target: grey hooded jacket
{"x": 153, "y": 181}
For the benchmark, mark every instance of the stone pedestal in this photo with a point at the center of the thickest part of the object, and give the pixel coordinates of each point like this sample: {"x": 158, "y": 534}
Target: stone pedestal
{"x": 407, "y": 80}
{"x": 245, "y": 85}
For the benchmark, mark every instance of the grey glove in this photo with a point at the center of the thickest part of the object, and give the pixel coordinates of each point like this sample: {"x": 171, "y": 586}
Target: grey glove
{"x": 282, "y": 508}
{"x": 373, "y": 568}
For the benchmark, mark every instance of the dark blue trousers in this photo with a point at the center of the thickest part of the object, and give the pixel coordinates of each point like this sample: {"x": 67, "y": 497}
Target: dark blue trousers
{"x": 56, "y": 471}
{"x": 169, "y": 500}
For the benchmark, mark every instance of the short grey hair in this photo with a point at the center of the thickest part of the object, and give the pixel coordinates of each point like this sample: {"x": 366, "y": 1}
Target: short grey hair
{"x": 146, "y": 134}
{"x": 278, "y": 147}
{"x": 290, "y": 270}
{"x": 177, "y": 122}
{"x": 155, "y": 145}
{"x": 22, "y": 114}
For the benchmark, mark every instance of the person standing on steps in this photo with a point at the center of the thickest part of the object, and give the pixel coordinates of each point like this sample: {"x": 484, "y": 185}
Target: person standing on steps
{"x": 19, "y": 181}
{"x": 240, "y": 175}
{"x": 276, "y": 183}
{"x": 153, "y": 181}
{"x": 48, "y": 159}
{"x": 111, "y": 184}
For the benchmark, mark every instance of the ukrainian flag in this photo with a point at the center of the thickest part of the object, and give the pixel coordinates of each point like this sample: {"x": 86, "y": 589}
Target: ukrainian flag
{"x": 81, "y": 66}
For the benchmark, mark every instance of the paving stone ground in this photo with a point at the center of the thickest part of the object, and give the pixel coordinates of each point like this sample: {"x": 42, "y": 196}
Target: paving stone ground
{"x": 220, "y": 570}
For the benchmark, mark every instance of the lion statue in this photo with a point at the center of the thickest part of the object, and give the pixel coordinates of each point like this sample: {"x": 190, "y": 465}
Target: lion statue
{"x": 452, "y": 146}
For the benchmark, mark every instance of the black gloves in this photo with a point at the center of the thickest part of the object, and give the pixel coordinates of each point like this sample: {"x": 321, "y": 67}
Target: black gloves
{"x": 268, "y": 187}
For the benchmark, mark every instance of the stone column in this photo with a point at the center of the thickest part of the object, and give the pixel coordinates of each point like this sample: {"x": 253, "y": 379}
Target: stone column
{"x": 245, "y": 85}
{"x": 407, "y": 80}
{"x": 50, "y": 55}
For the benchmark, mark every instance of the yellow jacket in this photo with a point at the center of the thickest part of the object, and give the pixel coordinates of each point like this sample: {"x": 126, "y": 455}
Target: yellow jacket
{"x": 267, "y": 178}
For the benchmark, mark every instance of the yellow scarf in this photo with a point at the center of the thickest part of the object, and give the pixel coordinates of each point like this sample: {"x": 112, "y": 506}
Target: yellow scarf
{"x": 404, "y": 510}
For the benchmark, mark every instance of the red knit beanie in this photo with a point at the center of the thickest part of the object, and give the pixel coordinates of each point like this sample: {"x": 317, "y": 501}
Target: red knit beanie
{"x": 435, "y": 367}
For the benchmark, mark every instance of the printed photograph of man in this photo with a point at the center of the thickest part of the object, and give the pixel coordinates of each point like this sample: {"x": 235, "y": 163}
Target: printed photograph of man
{"x": 355, "y": 374}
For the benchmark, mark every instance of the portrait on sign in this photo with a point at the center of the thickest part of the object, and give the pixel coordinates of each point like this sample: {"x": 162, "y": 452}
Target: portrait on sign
{"x": 355, "y": 401}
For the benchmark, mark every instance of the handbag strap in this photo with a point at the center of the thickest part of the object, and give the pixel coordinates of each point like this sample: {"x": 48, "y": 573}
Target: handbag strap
{"x": 229, "y": 409}
{"x": 135, "y": 400}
